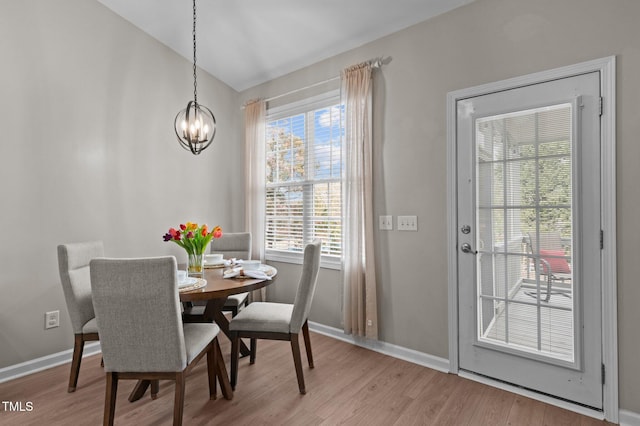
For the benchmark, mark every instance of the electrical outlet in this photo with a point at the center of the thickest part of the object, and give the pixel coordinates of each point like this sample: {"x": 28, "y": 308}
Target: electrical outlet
{"x": 386, "y": 223}
{"x": 51, "y": 319}
{"x": 407, "y": 223}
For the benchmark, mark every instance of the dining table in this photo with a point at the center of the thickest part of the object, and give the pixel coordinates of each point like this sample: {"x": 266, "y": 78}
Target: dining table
{"x": 214, "y": 288}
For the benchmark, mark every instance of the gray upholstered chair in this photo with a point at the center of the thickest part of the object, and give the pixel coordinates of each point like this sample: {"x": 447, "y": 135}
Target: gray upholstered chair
{"x": 280, "y": 321}
{"x": 73, "y": 263}
{"x": 141, "y": 332}
{"x": 230, "y": 245}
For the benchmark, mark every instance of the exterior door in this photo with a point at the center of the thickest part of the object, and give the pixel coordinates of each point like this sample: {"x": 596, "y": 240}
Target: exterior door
{"x": 529, "y": 290}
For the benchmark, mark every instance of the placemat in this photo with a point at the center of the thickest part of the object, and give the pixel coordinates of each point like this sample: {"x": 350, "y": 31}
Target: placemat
{"x": 199, "y": 284}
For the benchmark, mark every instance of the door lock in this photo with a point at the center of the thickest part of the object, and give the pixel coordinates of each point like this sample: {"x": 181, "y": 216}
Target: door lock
{"x": 465, "y": 229}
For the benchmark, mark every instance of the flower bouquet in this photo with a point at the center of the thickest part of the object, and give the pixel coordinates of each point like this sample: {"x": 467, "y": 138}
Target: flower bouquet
{"x": 194, "y": 239}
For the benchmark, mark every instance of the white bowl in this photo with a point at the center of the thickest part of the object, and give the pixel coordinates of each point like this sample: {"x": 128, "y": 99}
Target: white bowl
{"x": 213, "y": 259}
{"x": 250, "y": 265}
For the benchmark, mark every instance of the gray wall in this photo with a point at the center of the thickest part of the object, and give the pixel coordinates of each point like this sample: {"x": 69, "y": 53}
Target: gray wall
{"x": 88, "y": 151}
{"x": 486, "y": 41}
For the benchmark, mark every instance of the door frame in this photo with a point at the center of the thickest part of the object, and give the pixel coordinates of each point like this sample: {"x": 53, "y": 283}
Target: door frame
{"x": 606, "y": 67}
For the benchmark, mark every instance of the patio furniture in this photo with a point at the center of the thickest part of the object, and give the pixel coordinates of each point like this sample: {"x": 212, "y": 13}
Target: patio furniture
{"x": 549, "y": 255}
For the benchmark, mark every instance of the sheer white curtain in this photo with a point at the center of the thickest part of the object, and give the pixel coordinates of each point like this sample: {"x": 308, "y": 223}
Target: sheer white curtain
{"x": 358, "y": 269}
{"x": 254, "y": 118}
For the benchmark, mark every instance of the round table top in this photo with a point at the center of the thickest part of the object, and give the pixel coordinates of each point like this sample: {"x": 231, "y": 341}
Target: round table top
{"x": 218, "y": 287}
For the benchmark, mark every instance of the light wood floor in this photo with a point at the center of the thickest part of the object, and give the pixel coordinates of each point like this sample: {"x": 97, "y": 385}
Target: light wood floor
{"x": 349, "y": 385}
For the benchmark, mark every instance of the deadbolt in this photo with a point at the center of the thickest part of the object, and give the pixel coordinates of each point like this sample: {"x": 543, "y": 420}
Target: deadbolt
{"x": 465, "y": 229}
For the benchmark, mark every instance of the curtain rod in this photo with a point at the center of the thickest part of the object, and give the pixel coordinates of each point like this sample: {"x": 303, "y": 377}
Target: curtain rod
{"x": 375, "y": 63}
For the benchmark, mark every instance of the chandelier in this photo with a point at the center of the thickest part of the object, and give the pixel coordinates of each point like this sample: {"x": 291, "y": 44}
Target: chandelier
{"x": 195, "y": 125}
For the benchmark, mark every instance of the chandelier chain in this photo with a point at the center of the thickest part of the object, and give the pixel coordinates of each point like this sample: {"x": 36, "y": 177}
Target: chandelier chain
{"x": 195, "y": 84}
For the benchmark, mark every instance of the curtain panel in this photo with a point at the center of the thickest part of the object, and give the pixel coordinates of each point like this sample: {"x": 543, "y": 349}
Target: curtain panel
{"x": 255, "y": 113}
{"x": 358, "y": 269}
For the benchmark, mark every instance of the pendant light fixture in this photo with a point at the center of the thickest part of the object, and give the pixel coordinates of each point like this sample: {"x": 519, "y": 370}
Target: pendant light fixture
{"x": 195, "y": 125}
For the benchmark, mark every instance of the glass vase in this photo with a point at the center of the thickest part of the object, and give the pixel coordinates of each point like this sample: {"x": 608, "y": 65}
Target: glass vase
{"x": 195, "y": 265}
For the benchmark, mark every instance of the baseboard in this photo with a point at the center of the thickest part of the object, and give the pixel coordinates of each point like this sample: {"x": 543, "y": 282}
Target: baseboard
{"x": 43, "y": 363}
{"x": 629, "y": 418}
{"x": 410, "y": 355}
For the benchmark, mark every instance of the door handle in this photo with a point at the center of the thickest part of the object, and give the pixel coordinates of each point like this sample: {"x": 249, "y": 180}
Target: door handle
{"x": 466, "y": 248}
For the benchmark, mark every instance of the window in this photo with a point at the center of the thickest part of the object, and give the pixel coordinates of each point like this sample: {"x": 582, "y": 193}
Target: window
{"x": 303, "y": 179}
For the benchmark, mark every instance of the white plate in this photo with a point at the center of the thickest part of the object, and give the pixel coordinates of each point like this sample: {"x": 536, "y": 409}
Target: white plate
{"x": 187, "y": 282}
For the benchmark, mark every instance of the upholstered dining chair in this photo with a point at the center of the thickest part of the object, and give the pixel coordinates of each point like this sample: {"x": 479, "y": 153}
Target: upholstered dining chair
{"x": 73, "y": 264}
{"x": 141, "y": 331}
{"x": 280, "y": 321}
{"x": 230, "y": 245}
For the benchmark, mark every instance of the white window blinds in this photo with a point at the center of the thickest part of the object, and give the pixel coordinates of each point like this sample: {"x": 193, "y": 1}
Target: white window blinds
{"x": 303, "y": 176}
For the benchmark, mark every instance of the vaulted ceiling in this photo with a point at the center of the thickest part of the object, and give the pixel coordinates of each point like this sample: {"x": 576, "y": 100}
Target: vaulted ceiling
{"x": 247, "y": 42}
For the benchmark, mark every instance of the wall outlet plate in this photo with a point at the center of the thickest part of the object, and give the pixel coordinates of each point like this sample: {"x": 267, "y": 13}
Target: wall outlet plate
{"x": 51, "y": 319}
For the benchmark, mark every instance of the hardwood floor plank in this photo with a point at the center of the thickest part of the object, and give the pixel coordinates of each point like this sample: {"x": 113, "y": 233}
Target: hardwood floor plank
{"x": 349, "y": 385}
{"x": 494, "y": 407}
{"x": 526, "y": 412}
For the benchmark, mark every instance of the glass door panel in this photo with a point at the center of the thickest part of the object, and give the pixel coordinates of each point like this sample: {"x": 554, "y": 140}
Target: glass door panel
{"x": 525, "y": 285}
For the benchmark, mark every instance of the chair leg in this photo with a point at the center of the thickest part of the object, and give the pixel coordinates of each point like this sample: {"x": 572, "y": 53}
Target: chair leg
{"x": 212, "y": 359}
{"x": 78, "y": 346}
{"x": 178, "y": 405}
{"x": 253, "y": 347}
{"x": 235, "y": 354}
{"x": 110, "y": 399}
{"x": 546, "y": 299}
{"x": 155, "y": 388}
{"x": 297, "y": 360}
{"x": 307, "y": 343}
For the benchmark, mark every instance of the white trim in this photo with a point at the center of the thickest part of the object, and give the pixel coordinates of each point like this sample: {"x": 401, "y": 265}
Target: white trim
{"x": 43, "y": 363}
{"x": 609, "y": 254}
{"x": 606, "y": 67}
{"x": 410, "y": 355}
{"x": 576, "y": 408}
{"x": 326, "y": 262}
{"x": 629, "y": 418}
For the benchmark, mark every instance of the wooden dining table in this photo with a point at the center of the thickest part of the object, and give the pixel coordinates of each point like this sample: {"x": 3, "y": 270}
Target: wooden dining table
{"x": 215, "y": 293}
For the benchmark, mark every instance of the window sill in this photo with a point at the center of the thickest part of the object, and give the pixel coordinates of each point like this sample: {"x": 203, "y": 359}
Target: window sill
{"x": 326, "y": 262}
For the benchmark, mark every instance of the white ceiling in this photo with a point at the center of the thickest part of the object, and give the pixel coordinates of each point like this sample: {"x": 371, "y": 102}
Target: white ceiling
{"x": 248, "y": 42}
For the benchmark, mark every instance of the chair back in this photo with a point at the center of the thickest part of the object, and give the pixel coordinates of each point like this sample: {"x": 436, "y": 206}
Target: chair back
{"x": 138, "y": 314}
{"x": 232, "y": 244}
{"x": 306, "y": 286}
{"x": 548, "y": 241}
{"x": 73, "y": 264}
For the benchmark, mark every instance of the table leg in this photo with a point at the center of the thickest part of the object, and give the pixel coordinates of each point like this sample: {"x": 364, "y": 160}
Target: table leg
{"x": 221, "y": 374}
{"x": 139, "y": 390}
{"x": 213, "y": 312}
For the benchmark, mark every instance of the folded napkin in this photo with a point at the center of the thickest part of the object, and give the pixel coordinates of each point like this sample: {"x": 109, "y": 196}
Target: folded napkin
{"x": 258, "y": 274}
{"x": 230, "y": 273}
